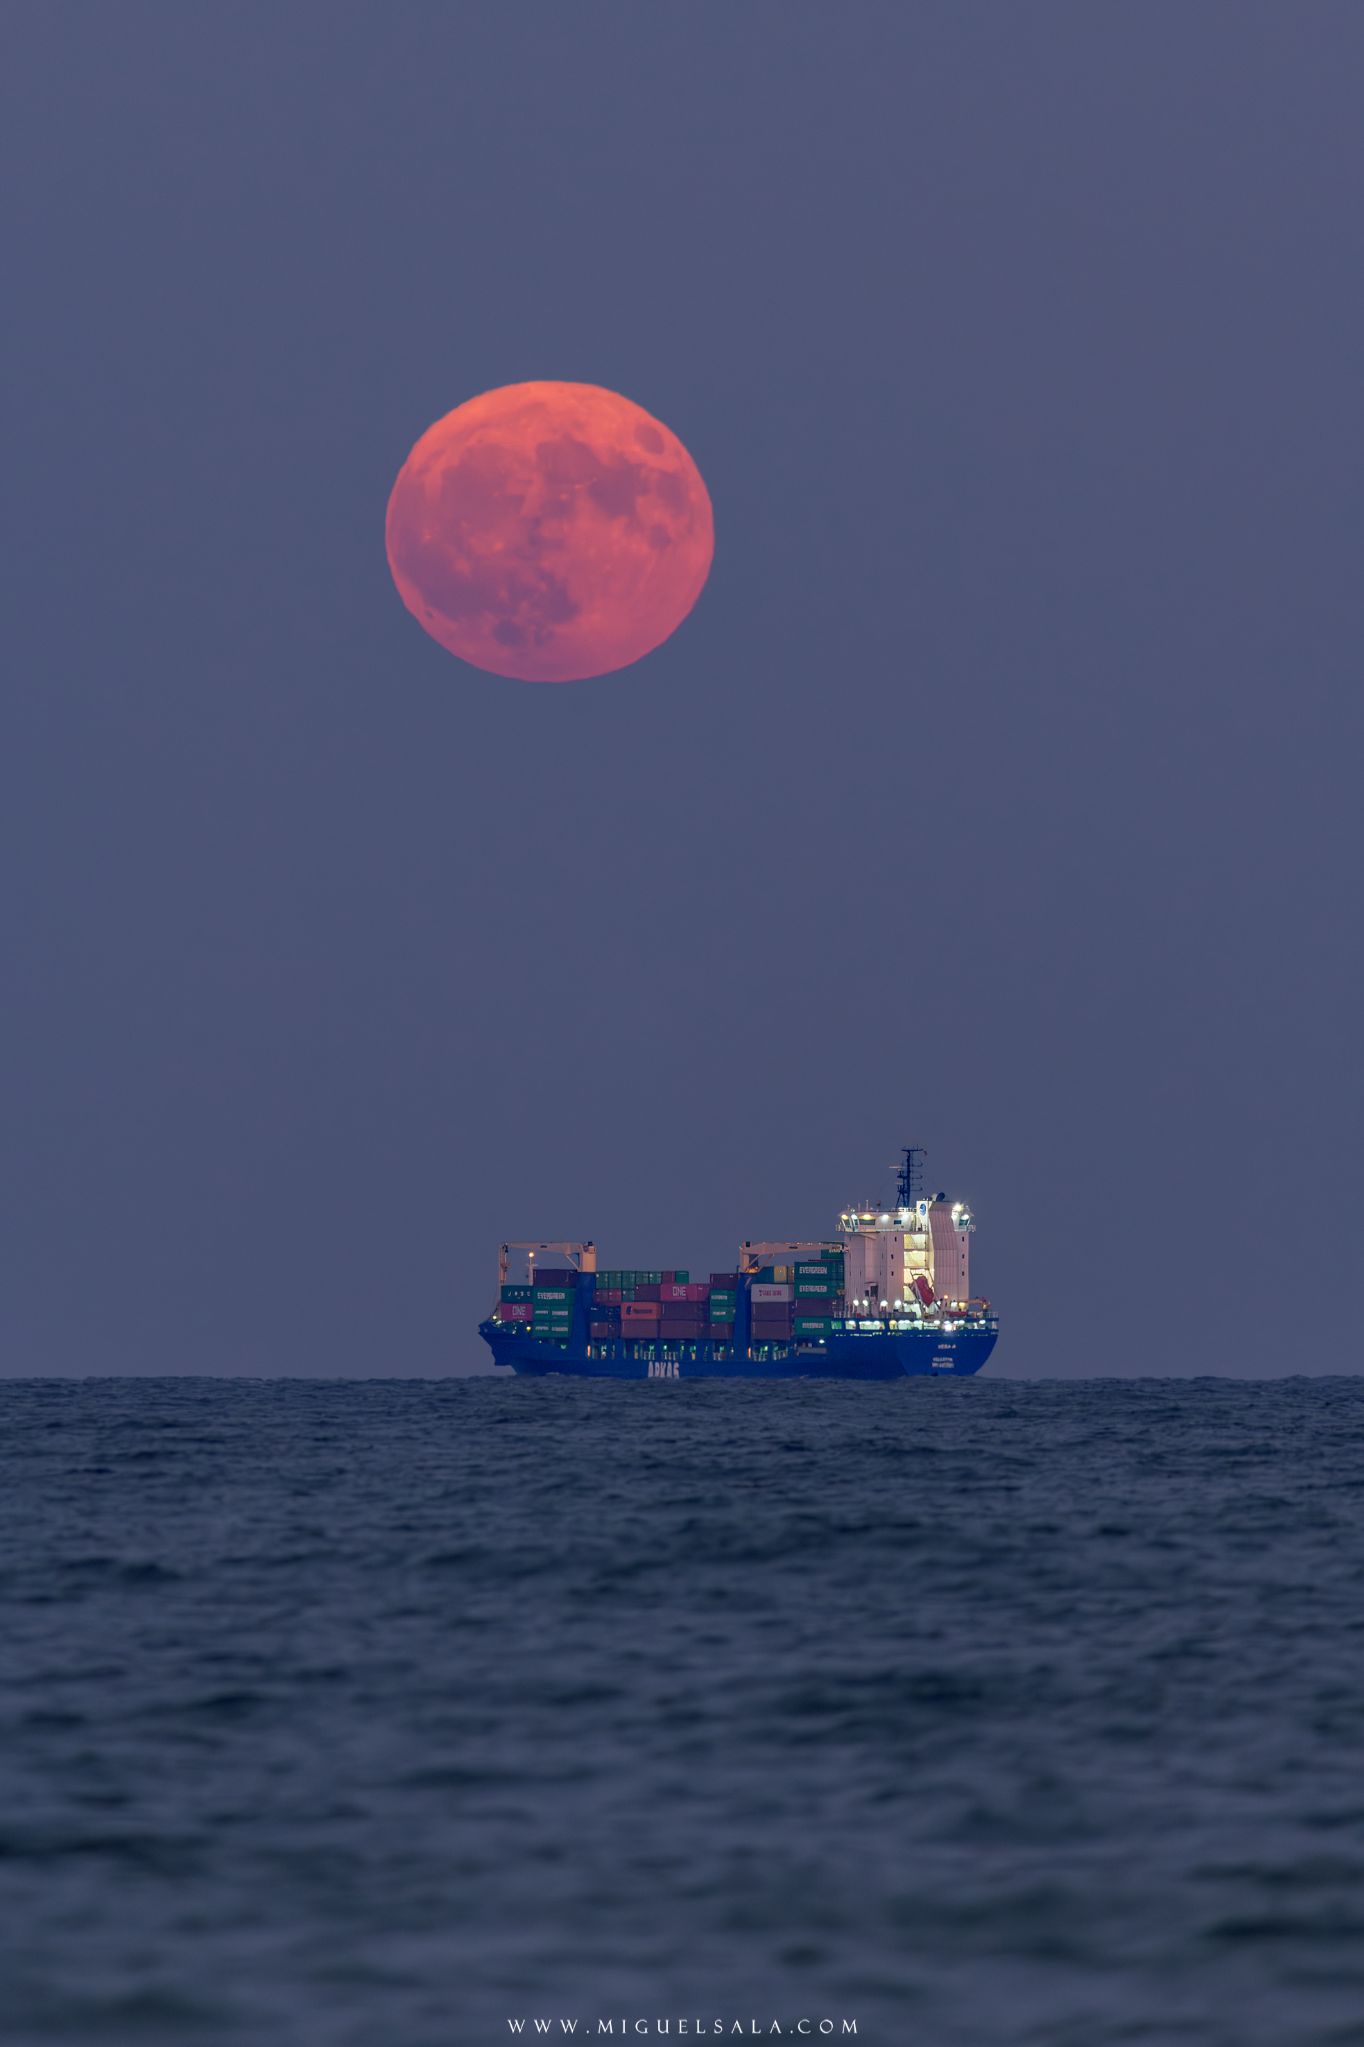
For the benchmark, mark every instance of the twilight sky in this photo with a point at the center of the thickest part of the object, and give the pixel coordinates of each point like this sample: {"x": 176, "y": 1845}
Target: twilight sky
{"x": 1001, "y": 794}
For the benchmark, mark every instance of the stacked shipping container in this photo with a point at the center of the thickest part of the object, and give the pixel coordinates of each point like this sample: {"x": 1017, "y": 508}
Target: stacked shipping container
{"x": 515, "y": 1304}
{"x": 785, "y": 1302}
{"x": 818, "y": 1289}
{"x": 722, "y": 1307}
{"x": 548, "y": 1309}
{"x": 552, "y": 1309}
{"x": 797, "y": 1301}
{"x": 770, "y": 1305}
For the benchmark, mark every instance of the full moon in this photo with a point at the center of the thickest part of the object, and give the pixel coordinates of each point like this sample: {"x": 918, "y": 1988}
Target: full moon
{"x": 549, "y": 531}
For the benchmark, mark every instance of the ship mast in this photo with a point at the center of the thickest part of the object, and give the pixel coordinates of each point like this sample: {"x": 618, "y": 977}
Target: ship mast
{"x": 910, "y": 1184}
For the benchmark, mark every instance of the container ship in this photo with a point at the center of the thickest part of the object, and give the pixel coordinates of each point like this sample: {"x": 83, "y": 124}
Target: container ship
{"x": 889, "y": 1297}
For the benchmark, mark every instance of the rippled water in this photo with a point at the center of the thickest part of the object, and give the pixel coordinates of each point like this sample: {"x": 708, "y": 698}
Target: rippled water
{"x": 380, "y": 1714}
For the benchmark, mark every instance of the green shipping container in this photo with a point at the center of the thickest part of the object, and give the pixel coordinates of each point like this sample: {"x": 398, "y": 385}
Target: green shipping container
{"x": 820, "y": 1287}
{"x": 516, "y": 1293}
{"x": 551, "y": 1293}
{"x": 722, "y": 1307}
{"x": 681, "y": 1277}
{"x": 813, "y": 1325}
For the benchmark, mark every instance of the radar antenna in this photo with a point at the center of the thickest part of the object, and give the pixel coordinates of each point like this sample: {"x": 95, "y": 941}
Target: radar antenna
{"x": 910, "y": 1185}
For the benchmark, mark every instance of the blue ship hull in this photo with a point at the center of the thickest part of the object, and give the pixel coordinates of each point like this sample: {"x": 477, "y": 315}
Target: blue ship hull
{"x": 852, "y": 1354}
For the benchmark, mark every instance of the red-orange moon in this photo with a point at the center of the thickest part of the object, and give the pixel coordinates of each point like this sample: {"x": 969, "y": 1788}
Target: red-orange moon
{"x": 549, "y": 531}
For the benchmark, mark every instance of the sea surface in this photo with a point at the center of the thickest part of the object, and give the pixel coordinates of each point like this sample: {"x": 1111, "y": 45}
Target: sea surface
{"x": 382, "y": 1714}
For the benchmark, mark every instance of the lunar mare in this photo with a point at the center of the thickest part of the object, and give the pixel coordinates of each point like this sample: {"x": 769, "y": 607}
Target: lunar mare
{"x": 549, "y": 532}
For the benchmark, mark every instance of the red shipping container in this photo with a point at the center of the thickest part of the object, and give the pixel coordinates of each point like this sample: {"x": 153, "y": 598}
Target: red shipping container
{"x": 515, "y": 1311}
{"x": 603, "y": 1329}
{"x": 561, "y": 1275}
{"x": 766, "y": 1317}
{"x": 685, "y": 1290}
{"x": 609, "y": 1296}
{"x": 688, "y": 1324}
{"x": 648, "y": 1293}
{"x": 720, "y": 1332}
{"x": 726, "y": 1281}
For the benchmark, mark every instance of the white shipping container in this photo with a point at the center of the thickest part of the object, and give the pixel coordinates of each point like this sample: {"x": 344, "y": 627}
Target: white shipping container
{"x": 769, "y": 1292}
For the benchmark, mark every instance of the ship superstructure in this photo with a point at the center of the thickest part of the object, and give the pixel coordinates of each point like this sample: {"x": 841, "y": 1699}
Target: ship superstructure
{"x": 917, "y": 1251}
{"x": 889, "y": 1296}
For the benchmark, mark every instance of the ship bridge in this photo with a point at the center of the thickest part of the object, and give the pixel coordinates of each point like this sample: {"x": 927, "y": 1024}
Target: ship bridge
{"x": 911, "y": 1254}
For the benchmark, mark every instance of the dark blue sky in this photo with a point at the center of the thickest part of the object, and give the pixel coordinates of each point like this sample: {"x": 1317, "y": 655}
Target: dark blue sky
{"x": 1002, "y": 793}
